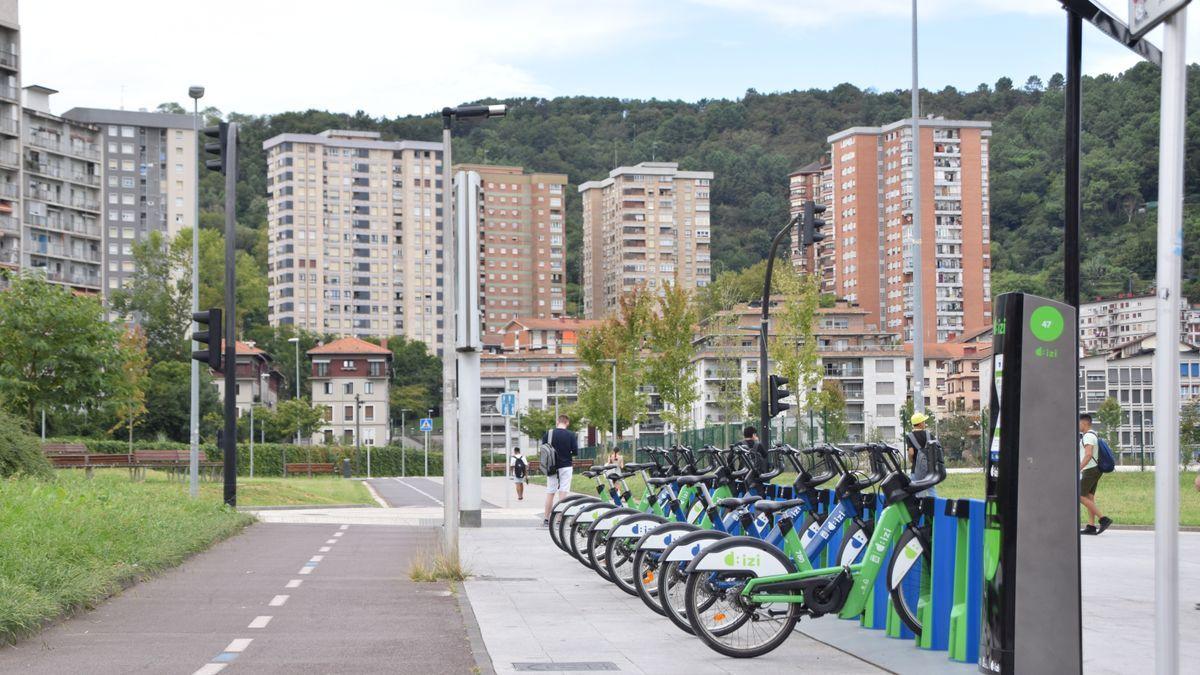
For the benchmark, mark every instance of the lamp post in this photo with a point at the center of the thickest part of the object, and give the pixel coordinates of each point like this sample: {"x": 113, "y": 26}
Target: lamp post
{"x": 614, "y": 399}
{"x": 196, "y": 93}
{"x": 296, "y": 385}
{"x": 449, "y": 357}
{"x": 402, "y": 449}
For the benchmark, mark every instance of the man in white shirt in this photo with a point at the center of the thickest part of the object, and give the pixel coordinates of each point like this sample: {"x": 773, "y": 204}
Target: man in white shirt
{"x": 1089, "y": 476}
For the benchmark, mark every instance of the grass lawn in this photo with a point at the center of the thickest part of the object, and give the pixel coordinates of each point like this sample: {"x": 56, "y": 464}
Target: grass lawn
{"x": 72, "y": 542}
{"x": 291, "y": 491}
{"x": 1127, "y": 498}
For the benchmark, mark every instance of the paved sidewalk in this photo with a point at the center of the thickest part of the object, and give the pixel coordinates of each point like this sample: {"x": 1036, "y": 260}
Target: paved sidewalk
{"x": 281, "y": 599}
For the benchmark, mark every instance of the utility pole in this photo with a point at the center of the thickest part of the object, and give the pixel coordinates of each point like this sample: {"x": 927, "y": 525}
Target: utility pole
{"x": 918, "y": 306}
{"x": 358, "y": 434}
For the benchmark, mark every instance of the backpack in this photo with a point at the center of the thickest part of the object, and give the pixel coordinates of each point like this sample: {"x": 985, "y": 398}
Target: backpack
{"x": 547, "y": 456}
{"x": 519, "y": 467}
{"x": 1105, "y": 461}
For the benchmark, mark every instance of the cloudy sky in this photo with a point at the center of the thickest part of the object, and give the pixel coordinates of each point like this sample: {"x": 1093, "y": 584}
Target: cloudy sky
{"x": 390, "y": 57}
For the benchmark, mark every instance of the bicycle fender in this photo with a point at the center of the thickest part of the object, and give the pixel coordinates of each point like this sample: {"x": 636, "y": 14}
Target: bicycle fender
{"x": 637, "y": 525}
{"x": 693, "y": 546}
{"x": 665, "y": 535}
{"x": 742, "y": 554}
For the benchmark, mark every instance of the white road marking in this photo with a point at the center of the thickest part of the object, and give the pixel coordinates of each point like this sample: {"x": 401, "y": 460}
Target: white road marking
{"x": 375, "y": 495}
{"x": 306, "y": 570}
{"x": 344, "y": 527}
{"x": 211, "y": 669}
{"x": 316, "y": 558}
{"x": 337, "y": 534}
{"x": 278, "y": 600}
{"x": 260, "y": 622}
{"x": 323, "y": 549}
{"x": 413, "y": 487}
{"x": 331, "y": 541}
{"x": 294, "y": 583}
{"x": 239, "y": 645}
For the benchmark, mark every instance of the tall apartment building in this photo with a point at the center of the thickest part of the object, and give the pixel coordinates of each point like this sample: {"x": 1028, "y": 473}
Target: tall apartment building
{"x": 523, "y": 247}
{"x": 1106, "y": 324}
{"x": 62, "y": 176}
{"x": 10, "y": 138}
{"x": 150, "y": 180}
{"x": 871, "y": 212}
{"x": 644, "y": 226}
{"x": 355, "y": 232}
{"x": 815, "y": 182}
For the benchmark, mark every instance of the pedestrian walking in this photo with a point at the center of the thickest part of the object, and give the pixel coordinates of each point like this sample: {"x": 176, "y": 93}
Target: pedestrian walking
{"x": 916, "y": 442}
{"x": 558, "y": 477}
{"x": 1089, "y": 476}
{"x": 518, "y": 472}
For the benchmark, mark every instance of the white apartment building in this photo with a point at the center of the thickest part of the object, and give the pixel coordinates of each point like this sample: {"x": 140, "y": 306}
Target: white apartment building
{"x": 355, "y": 232}
{"x": 541, "y": 380}
{"x": 868, "y": 364}
{"x": 1127, "y": 375}
{"x": 10, "y": 139}
{"x": 350, "y": 379}
{"x": 643, "y": 227}
{"x": 1108, "y": 323}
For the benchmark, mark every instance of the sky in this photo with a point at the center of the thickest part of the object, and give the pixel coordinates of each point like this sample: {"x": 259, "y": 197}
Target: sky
{"x": 397, "y": 57}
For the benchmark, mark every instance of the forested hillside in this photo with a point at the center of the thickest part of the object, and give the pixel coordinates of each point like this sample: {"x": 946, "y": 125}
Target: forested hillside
{"x": 753, "y": 143}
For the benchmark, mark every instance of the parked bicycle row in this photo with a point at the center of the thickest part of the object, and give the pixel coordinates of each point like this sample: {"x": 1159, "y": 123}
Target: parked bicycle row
{"x": 712, "y": 545}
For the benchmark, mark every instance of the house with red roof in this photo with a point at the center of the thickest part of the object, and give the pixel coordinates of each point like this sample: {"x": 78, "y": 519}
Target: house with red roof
{"x": 350, "y": 379}
{"x": 255, "y": 377}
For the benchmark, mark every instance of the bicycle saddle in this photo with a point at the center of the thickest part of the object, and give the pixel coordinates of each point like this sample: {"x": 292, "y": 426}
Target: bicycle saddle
{"x": 765, "y": 506}
{"x": 735, "y": 502}
{"x": 692, "y": 480}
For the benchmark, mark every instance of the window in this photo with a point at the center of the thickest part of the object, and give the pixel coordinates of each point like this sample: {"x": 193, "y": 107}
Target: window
{"x": 885, "y": 410}
{"x": 348, "y": 413}
{"x": 347, "y": 365}
{"x": 369, "y": 388}
{"x": 885, "y": 387}
{"x": 368, "y": 413}
{"x": 328, "y": 387}
{"x": 348, "y": 388}
{"x": 376, "y": 369}
{"x": 328, "y": 416}
{"x": 323, "y": 369}
{"x": 237, "y": 390}
{"x": 885, "y": 366}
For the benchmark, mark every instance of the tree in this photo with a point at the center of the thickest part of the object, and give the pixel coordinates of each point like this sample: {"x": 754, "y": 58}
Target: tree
{"x": 832, "y": 407}
{"x": 1109, "y": 415}
{"x": 906, "y": 413}
{"x": 292, "y": 418}
{"x": 158, "y": 297}
{"x": 56, "y": 350}
{"x": 129, "y": 391}
{"x": 620, "y": 338}
{"x": 168, "y": 388}
{"x": 274, "y": 341}
{"x": 1189, "y": 429}
{"x": 955, "y": 433}
{"x": 721, "y": 344}
{"x": 793, "y": 348}
{"x": 250, "y": 293}
{"x": 535, "y": 422}
{"x": 416, "y": 375}
{"x": 671, "y": 371}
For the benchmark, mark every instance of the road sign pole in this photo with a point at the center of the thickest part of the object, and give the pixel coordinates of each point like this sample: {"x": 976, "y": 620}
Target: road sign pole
{"x": 427, "y": 454}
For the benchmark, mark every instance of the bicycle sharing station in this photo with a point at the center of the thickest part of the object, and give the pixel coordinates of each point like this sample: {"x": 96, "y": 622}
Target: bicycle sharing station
{"x": 717, "y": 549}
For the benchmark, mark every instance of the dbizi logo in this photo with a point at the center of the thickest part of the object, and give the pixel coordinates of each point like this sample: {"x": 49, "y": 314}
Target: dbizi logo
{"x": 735, "y": 559}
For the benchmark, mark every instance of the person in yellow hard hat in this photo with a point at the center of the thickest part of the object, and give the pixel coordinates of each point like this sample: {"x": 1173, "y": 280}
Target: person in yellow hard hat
{"x": 915, "y": 442}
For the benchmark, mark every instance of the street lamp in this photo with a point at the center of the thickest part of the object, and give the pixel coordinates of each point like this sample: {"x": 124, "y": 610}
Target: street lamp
{"x": 296, "y": 386}
{"x": 194, "y": 425}
{"x": 264, "y": 377}
{"x": 450, "y": 514}
{"x": 614, "y": 398}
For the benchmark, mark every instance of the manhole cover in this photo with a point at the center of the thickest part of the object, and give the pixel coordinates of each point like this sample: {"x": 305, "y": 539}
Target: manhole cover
{"x": 557, "y": 666}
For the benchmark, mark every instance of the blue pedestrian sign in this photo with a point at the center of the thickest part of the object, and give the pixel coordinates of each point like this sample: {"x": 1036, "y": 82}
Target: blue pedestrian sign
{"x": 508, "y": 404}
{"x": 426, "y": 424}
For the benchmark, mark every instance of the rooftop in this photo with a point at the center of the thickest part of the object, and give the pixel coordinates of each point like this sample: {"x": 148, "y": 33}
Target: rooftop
{"x": 350, "y": 345}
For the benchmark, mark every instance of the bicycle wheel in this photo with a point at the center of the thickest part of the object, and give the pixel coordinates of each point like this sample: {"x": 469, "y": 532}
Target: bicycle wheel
{"x": 729, "y": 623}
{"x": 673, "y": 574}
{"x": 580, "y": 529}
{"x": 908, "y": 576}
{"x": 647, "y": 561}
{"x": 622, "y": 546}
{"x": 598, "y": 535}
{"x": 556, "y": 516}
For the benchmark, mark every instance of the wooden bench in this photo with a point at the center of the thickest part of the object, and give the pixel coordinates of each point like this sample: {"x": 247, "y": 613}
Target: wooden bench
{"x": 534, "y": 466}
{"x": 175, "y": 462}
{"x": 64, "y": 449}
{"x": 92, "y": 461}
{"x": 308, "y": 468}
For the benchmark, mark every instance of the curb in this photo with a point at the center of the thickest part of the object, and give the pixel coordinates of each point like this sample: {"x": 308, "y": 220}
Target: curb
{"x": 300, "y": 507}
{"x": 483, "y": 660}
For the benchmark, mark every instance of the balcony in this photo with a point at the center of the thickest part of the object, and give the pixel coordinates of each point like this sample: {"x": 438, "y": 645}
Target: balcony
{"x": 56, "y": 222}
{"x": 849, "y": 371}
{"x": 9, "y": 126}
{"x": 63, "y": 252}
{"x": 59, "y": 172}
{"x": 9, "y": 190}
{"x": 9, "y": 224}
{"x": 52, "y": 143}
{"x": 10, "y": 159}
{"x": 10, "y": 93}
{"x": 73, "y": 279}
{"x": 8, "y": 56}
{"x": 63, "y": 200}
{"x": 853, "y": 393}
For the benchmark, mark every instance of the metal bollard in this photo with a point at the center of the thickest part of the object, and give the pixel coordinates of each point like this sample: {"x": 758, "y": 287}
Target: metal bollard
{"x": 345, "y": 467}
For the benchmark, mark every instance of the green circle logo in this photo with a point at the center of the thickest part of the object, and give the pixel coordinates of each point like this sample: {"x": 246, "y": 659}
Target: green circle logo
{"x": 1046, "y": 323}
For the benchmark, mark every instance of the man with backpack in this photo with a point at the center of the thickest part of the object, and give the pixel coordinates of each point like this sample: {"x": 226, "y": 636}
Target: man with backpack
{"x": 519, "y": 472}
{"x": 916, "y": 442}
{"x": 556, "y": 456}
{"x": 1089, "y": 475}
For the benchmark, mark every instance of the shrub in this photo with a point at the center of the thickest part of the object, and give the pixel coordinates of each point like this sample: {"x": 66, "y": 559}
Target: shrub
{"x": 20, "y": 452}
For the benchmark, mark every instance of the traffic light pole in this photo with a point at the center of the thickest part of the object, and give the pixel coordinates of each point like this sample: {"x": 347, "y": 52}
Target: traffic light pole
{"x": 764, "y": 403}
{"x": 230, "y": 369}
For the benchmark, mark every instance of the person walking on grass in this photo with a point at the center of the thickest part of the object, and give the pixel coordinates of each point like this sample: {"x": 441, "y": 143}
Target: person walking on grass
{"x": 558, "y": 477}
{"x": 1089, "y": 476}
{"x": 518, "y": 472}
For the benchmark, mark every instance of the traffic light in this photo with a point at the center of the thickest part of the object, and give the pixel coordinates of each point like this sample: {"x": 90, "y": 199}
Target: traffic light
{"x": 220, "y": 134}
{"x": 209, "y": 336}
{"x": 811, "y": 225}
{"x": 778, "y": 393}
